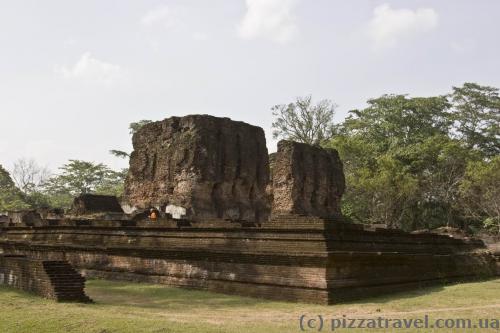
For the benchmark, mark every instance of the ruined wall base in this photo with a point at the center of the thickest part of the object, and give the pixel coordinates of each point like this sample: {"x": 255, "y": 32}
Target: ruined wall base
{"x": 51, "y": 279}
{"x": 305, "y": 259}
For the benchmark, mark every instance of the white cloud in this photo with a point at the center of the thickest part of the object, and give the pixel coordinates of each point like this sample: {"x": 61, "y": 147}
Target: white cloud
{"x": 271, "y": 19}
{"x": 160, "y": 16}
{"x": 388, "y": 26}
{"x": 91, "y": 69}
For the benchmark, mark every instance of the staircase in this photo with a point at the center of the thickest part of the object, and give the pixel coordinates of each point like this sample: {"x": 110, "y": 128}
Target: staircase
{"x": 67, "y": 283}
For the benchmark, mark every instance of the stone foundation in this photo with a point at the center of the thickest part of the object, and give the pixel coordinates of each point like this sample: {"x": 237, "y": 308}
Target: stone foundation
{"x": 292, "y": 258}
{"x": 51, "y": 279}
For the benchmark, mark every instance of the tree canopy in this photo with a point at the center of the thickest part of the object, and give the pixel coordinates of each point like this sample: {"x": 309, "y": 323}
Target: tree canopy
{"x": 81, "y": 177}
{"x": 10, "y": 196}
{"x": 416, "y": 162}
{"x": 304, "y": 121}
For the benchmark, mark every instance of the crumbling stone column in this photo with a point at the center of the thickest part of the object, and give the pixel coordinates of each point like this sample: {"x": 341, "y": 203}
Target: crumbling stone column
{"x": 306, "y": 180}
{"x": 207, "y": 166}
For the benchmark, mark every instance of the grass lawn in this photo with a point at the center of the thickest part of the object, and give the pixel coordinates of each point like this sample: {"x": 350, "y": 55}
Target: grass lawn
{"x": 134, "y": 307}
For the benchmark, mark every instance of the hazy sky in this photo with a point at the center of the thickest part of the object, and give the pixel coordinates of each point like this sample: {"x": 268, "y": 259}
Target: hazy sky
{"x": 74, "y": 74}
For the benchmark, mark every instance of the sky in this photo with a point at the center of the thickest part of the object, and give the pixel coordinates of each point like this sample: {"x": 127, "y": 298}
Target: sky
{"x": 74, "y": 74}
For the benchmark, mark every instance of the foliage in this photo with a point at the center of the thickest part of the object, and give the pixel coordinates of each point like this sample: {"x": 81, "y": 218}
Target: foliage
{"x": 119, "y": 153}
{"x": 394, "y": 120}
{"x": 10, "y": 196}
{"x": 80, "y": 177}
{"x": 476, "y": 117}
{"x": 304, "y": 122}
{"x": 414, "y": 162}
{"x": 480, "y": 192}
{"x": 30, "y": 178}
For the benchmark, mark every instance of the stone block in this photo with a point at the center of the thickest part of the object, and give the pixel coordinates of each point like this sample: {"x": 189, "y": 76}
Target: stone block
{"x": 86, "y": 204}
{"x": 205, "y": 166}
{"x": 306, "y": 180}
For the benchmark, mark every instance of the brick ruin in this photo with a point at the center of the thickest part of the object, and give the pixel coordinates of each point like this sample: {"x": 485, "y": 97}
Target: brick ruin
{"x": 94, "y": 204}
{"x": 232, "y": 222}
{"x": 203, "y": 166}
{"x": 55, "y": 280}
{"x": 306, "y": 180}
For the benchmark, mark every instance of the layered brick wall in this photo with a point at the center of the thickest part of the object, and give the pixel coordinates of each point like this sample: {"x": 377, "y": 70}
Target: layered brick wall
{"x": 202, "y": 166}
{"x": 292, "y": 258}
{"x": 306, "y": 179}
{"x": 51, "y": 279}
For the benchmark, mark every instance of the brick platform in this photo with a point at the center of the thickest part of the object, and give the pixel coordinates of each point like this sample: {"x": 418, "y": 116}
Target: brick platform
{"x": 291, "y": 258}
{"x": 51, "y": 279}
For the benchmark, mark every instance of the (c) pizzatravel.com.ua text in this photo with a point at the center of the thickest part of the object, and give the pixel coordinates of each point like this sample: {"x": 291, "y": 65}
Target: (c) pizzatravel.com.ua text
{"x": 321, "y": 323}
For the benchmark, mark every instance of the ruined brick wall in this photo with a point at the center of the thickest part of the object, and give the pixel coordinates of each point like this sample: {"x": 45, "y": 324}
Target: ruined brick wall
{"x": 50, "y": 279}
{"x": 94, "y": 203}
{"x": 207, "y": 166}
{"x": 295, "y": 258}
{"x": 28, "y": 217}
{"x": 306, "y": 180}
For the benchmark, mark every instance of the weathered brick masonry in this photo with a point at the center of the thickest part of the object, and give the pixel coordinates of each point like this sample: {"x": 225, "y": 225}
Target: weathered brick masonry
{"x": 48, "y": 278}
{"x": 206, "y": 166}
{"x": 213, "y": 171}
{"x": 291, "y": 258}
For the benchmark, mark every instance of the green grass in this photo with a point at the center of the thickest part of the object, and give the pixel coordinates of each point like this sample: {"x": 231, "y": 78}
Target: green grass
{"x": 133, "y": 307}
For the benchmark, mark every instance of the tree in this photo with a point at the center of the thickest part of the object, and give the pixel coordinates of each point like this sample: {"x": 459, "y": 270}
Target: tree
{"x": 80, "y": 177}
{"x": 476, "y": 115}
{"x": 113, "y": 184}
{"x": 10, "y": 196}
{"x": 30, "y": 178}
{"x": 480, "y": 192}
{"x": 402, "y": 167}
{"x": 395, "y": 120}
{"x": 133, "y": 127}
{"x": 304, "y": 122}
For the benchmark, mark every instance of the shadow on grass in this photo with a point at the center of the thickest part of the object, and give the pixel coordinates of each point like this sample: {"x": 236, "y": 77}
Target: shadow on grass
{"x": 415, "y": 292}
{"x": 144, "y": 295}
{"x": 153, "y": 296}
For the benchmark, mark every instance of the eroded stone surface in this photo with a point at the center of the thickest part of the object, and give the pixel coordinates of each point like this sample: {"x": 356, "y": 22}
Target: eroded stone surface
{"x": 51, "y": 279}
{"x": 211, "y": 167}
{"x": 94, "y": 203}
{"x": 306, "y": 180}
{"x": 28, "y": 217}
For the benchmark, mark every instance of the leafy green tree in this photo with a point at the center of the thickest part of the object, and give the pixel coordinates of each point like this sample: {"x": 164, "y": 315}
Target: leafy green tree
{"x": 304, "y": 121}
{"x": 10, "y": 196}
{"x": 80, "y": 177}
{"x": 113, "y": 184}
{"x": 394, "y": 120}
{"x": 401, "y": 166}
{"x": 476, "y": 115}
{"x": 480, "y": 192}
